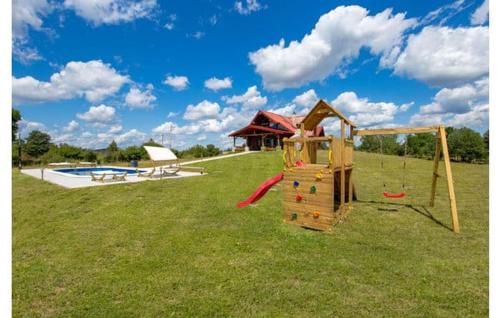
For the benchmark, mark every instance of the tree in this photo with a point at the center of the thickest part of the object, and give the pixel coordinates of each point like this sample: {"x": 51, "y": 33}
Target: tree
{"x": 16, "y": 117}
{"x": 389, "y": 144}
{"x": 370, "y": 144}
{"x": 212, "y": 151}
{"x": 132, "y": 153}
{"x": 70, "y": 152}
{"x": 421, "y": 145}
{"x": 37, "y": 143}
{"x": 113, "y": 147}
{"x": 466, "y": 145}
{"x": 486, "y": 139}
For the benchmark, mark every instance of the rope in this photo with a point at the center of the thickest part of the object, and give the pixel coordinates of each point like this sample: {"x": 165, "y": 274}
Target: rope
{"x": 404, "y": 163}
{"x": 382, "y": 161}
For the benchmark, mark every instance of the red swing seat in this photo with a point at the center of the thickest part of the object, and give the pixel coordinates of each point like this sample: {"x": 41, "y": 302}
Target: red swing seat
{"x": 394, "y": 195}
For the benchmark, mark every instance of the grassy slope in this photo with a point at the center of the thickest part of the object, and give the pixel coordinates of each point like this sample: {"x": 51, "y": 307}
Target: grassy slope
{"x": 179, "y": 247}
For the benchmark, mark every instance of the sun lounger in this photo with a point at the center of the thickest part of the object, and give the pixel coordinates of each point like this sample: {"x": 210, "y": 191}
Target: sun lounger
{"x": 170, "y": 170}
{"x": 146, "y": 174}
{"x": 97, "y": 177}
{"x": 161, "y": 154}
{"x": 120, "y": 177}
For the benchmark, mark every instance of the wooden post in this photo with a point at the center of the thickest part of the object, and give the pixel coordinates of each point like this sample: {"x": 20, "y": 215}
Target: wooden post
{"x": 351, "y": 137}
{"x": 435, "y": 175}
{"x": 305, "y": 145}
{"x": 342, "y": 165}
{"x": 332, "y": 168}
{"x": 449, "y": 179}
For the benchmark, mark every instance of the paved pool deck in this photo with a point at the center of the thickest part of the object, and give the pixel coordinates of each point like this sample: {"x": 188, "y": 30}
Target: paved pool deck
{"x": 71, "y": 182}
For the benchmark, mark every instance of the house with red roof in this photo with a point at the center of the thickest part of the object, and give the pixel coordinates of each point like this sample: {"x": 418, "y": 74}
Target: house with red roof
{"x": 266, "y": 130}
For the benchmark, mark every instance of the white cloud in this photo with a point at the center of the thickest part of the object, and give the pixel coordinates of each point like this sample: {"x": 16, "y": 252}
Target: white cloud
{"x": 171, "y": 127}
{"x": 215, "y": 84}
{"x": 442, "y": 14}
{"x": 335, "y": 40}
{"x": 25, "y": 55}
{"x": 197, "y": 35}
{"x": 172, "y": 114}
{"x": 99, "y": 12}
{"x": 115, "y": 129}
{"x": 28, "y": 14}
{"x": 250, "y": 99}
{"x": 170, "y": 25}
{"x": 480, "y": 16}
{"x": 93, "y": 80}
{"x": 477, "y": 117}
{"x": 71, "y": 127}
{"x": 203, "y": 109}
{"x": 306, "y": 99}
{"x": 213, "y": 20}
{"x": 27, "y": 126}
{"x": 178, "y": 83}
{"x": 459, "y": 99}
{"x": 132, "y": 136}
{"x": 251, "y": 6}
{"x": 364, "y": 112}
{"x": 136, "y": 98}
{"x": 286, "y": 110}
{"x": 202, "y": 138}
{"x": 442, "y": 56}
{"x": 98, "y": 114}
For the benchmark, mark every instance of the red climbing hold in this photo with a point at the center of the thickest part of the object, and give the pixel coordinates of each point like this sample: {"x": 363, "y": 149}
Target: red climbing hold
{"x": 299, "y": 197}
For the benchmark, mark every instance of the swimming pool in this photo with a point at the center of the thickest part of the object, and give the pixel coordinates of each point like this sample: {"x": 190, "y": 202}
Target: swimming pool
{"x": 87, "y": 171}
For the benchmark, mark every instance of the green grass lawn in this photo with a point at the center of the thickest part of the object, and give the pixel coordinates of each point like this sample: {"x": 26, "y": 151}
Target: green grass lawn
{"x": 179, "y": 247}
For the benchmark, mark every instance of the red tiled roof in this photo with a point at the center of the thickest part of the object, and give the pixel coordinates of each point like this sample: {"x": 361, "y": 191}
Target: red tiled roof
{"x": 289, "y": 123}
{"x": 257, "y": 127}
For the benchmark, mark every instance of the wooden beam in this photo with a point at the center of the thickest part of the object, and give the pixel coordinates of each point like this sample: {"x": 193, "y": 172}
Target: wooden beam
{"x": 437, "y": 156}
{"x": 342, "y": 165}
{"x": 312, "y": 139}
{"x": 396, "y": 131}
{"x": 351, "y": 135}
{"x": 449, "y": 179}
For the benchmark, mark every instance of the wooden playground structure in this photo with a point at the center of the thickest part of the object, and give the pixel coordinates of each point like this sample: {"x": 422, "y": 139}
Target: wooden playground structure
{"x": 319, "y": 195}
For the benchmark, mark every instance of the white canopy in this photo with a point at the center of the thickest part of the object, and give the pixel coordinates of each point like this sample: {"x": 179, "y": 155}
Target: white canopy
{"x": 160, "y": 153}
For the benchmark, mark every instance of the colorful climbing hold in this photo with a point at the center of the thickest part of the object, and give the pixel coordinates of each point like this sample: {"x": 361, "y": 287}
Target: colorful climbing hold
{"x": 312, "y": 190}
{"x": 319, "y": 176}
{"x": 316, "y": 214}
{"x": 295, "y": 184}
{"x": 294, "y": 216}
{"x": 299, "y": 197}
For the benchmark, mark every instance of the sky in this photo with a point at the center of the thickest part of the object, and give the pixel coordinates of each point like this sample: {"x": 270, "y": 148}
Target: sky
{"x": 89, "y": 72}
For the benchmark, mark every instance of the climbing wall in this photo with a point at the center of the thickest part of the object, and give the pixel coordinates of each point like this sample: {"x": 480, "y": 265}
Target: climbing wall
{"x": 308, "y": 197}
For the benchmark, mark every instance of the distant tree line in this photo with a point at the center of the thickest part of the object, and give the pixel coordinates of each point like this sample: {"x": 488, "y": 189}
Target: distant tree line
{"x": 38, "y": 148}
{"x": 464, "y": 144}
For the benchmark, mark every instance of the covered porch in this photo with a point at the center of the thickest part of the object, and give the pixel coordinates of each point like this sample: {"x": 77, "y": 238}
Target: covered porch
{"x": 258, "y": 138}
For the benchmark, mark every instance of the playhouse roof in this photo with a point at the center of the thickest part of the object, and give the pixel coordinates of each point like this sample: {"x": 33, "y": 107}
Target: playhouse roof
{"x": 321, "y": 111}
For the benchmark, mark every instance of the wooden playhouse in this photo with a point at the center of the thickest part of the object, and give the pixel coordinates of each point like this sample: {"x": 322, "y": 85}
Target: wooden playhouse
{"x": 318, "y": 194}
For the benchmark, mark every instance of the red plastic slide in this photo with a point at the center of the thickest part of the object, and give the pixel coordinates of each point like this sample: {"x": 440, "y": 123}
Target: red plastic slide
{"x": 261, "y": 190}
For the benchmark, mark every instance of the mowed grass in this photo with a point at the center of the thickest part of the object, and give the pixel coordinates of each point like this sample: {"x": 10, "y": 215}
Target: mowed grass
{"x": 180, "y": 247}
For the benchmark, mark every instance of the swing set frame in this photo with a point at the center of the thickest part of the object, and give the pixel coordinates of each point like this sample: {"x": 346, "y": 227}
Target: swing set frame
{"x": 441, "y": 148}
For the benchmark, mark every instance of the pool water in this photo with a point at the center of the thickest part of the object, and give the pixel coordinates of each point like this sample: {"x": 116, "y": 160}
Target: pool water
{"x": 87, "y": 171}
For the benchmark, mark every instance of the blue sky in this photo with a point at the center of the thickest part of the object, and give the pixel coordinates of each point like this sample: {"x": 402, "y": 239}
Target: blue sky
{"x": 90, "y": 72}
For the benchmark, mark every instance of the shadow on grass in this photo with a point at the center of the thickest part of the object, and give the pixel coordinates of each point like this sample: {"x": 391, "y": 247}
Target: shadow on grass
{"x": 394, "y": 207}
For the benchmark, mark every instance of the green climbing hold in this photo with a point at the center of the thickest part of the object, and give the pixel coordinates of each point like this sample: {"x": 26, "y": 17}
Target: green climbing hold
{"x": 313, "y": 189}
{"x": 294, "y": 216}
